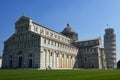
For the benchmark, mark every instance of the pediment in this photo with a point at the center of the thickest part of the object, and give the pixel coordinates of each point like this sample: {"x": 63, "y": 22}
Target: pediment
{"x": 22, "y": 20}
{"x": 11, "y": 38}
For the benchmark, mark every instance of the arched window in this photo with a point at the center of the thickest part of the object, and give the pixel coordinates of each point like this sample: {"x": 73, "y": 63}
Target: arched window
{"x": 85, "y": 59}
{"x": 67, "y": 56}
{"x": 45, "y": 41}
{"x": 57, "y": 55}
{"x": 48, "y": 41}
{"x": 51, "y": 54}
{"x": 62, "y": 55}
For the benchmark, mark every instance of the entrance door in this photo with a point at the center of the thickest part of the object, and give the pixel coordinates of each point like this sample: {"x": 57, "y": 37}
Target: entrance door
{"x": 10, "y": 63}
{"x": 30, "y": 63}
{"x": 20, "y": 62}
{"x": 93, "y": 66}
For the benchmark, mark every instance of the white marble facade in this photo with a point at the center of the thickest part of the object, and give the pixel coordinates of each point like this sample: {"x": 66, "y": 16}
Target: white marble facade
{"x": 36, "y": 46}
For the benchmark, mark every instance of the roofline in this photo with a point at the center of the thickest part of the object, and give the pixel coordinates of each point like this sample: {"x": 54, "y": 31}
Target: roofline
{"x": 51, "y": 29}
{"x": 42, "y": 26}
{"x": 22, "y": 17}
{"x": 88, "y": 40}
{"x": 52, "y": 39}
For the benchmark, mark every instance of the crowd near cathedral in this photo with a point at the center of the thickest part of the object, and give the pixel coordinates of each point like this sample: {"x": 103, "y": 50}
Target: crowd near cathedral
{"x": 36, "y": 46}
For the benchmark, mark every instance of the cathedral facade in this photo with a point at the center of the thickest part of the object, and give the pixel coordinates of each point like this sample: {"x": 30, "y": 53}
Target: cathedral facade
{"x": 36, "y": 46}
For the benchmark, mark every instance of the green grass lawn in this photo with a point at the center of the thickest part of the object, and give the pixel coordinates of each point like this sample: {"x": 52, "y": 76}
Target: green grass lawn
{"x": 25, "y": 74}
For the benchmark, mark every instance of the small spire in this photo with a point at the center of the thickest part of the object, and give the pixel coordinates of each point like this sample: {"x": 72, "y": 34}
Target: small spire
{"x": 107, "y": 25}
{"x": 68, "y": 24}
{"x": 22, "y": 13}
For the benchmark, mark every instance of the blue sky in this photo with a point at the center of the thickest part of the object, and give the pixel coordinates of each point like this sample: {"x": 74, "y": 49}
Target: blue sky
{"x": 87, "y": 17}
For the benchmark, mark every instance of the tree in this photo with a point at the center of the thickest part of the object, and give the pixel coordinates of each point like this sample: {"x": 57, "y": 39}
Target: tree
{"x": 118, "y": 64}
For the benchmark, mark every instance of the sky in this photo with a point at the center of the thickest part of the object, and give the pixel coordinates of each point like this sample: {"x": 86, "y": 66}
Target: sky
{"x": 89, "y": 18}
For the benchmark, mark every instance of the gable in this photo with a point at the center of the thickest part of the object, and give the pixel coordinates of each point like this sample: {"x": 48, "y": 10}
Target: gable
{"x": 23, "y": 37}
{"x": 10, "y": 38}
{"x": 22, "y": 20}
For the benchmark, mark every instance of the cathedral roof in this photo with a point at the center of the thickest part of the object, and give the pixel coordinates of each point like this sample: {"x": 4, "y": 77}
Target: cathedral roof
{"x": 99, "y": 38}
{"x": 22, "y": 19}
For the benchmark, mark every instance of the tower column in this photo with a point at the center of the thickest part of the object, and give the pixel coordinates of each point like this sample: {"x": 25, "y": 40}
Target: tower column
{"x": 110, "y": 48}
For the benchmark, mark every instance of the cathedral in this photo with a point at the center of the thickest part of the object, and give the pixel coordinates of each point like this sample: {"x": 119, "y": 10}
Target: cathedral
{"x": 36, "y": 46}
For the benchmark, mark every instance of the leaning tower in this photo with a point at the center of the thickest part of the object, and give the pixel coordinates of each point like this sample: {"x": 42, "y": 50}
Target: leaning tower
{"x": 110, "y": 48}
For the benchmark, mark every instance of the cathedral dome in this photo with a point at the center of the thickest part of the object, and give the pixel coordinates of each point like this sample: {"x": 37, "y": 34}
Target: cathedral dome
{"x": 68, "y": 29}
